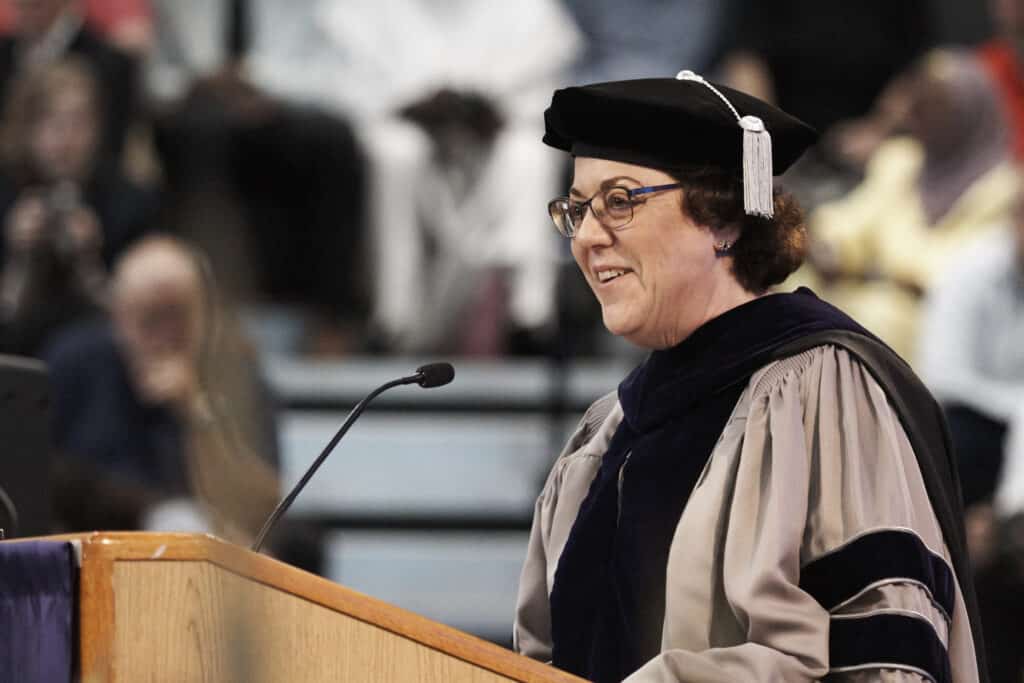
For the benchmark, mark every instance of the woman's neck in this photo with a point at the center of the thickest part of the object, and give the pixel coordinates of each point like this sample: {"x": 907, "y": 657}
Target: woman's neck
{"x": 725, "y": 295}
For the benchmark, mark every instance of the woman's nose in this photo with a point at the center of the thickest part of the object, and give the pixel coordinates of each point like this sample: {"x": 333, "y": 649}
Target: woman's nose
{"x": 591, "y": 233}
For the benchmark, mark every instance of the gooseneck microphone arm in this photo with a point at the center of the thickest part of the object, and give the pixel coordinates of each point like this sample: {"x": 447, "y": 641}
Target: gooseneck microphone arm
{"x": 427, "y": 376}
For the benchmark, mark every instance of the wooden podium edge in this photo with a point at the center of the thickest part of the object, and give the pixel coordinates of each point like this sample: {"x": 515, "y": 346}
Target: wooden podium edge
{"x": 100, "y": 550}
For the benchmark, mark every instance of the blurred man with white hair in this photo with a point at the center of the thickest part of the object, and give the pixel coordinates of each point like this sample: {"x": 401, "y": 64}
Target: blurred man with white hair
{"x": 163, "y": 403}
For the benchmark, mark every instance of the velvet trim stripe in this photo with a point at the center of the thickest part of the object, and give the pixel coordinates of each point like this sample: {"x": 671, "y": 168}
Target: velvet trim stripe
{"x": 897, "y": 640}
{"x": 876, "y": 556}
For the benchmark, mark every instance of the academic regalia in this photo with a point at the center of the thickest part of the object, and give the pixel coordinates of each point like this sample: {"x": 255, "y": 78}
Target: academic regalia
{"x": 772, "y": 499}
{"x": 810, "y": 540}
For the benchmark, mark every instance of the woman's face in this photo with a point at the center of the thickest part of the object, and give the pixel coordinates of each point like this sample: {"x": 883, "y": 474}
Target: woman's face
{"x": 64, "y": 137}
{"x": 670, "y": 272}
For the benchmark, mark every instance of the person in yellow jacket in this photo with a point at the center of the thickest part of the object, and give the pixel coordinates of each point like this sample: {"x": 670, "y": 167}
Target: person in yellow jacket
{"x": 925, "y": 196}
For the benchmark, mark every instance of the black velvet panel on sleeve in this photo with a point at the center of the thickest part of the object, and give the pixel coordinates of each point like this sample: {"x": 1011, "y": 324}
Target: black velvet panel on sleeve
{"x": 897, "y": 640}
{"x": 877, "y": 556}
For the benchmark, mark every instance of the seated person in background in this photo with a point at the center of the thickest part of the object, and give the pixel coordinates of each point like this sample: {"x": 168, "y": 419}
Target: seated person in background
{"x": 162, "y": 404}
{"x": 924, "y": 197}
{"x": 971, "y": 352}
{"x": 65, "y": 219}
{"x": 972, "y": 357}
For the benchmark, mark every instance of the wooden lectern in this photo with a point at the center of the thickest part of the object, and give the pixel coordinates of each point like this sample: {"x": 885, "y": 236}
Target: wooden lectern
{"x": 183, "y": 608}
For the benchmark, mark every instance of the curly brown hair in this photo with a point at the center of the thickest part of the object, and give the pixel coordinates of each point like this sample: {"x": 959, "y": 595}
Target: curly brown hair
{"x": 768, "y": 249}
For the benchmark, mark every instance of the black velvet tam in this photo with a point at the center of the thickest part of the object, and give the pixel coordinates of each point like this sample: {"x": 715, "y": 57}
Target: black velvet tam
{"x": 667, "y": 123}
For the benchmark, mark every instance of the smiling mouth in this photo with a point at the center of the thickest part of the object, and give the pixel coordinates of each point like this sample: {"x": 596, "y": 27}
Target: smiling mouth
{"x": 609, "y": 275}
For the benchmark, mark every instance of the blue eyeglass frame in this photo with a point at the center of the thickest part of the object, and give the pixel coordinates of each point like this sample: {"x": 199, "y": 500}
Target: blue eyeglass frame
{"x": 631, "y": 193}
{"x": 649, "y": 189}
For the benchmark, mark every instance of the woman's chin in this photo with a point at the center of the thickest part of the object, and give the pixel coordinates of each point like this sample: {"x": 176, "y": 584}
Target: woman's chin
{"x": 620, "y": 325}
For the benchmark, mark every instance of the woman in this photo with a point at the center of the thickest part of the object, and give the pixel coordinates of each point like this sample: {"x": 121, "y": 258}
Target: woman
{"x": 769, "y": 496}
{"x": 65, "y": 218}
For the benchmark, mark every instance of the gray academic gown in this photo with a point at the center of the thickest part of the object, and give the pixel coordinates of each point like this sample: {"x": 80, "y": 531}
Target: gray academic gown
{"x": 812, "y": 460}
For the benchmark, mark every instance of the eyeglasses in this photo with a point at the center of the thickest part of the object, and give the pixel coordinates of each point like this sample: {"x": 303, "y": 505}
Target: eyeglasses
{"x": 612, "y": 206}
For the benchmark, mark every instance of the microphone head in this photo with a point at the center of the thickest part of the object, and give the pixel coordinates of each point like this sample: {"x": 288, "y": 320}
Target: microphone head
{"x": 435, "y": 375}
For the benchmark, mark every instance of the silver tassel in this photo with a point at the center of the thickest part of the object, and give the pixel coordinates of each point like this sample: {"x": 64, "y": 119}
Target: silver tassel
{"x": 757, "y": 168}
{"x": 757, "y": 155}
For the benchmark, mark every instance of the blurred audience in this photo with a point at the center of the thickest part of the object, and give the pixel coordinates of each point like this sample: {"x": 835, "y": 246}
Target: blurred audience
{"x": 827, "y": 63}
{"x": 824, "y": 61}
{"x": 449, "y": 117}
{"x": 65, "y": 216}
{"x": 996, "y": 547}
{"x": 955, "y": 22}
{"x": 972, "y": 352}
{"x": 1003, "y": 57}
{"x": 648, "y": 38}
{"x": 1009, "y": 497}
{"x": 283, "y": 181}
{"x": 972, "y": 357}
{"x": 127, "y": 24}
{"x": 193, "y": 40}
{"x": 47, "y": 30}
{"x": 925, "y": 197}
{"x": 162, "y": 403}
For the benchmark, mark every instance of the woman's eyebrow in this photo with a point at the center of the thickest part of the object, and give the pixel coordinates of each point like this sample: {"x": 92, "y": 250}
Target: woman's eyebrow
{"x": 613, "y": 181}
{"x": 610, "y": 182}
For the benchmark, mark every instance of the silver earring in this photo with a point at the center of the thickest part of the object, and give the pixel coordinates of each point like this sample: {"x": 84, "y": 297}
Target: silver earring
{"x": 723, "y": 248}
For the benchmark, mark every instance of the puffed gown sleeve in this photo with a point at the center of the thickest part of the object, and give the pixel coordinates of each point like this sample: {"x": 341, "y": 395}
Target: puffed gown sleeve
{"x": 554, "y": 514}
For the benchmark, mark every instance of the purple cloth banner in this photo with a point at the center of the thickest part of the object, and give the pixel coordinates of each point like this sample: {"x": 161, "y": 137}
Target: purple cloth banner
{"x": 37, "y": 602}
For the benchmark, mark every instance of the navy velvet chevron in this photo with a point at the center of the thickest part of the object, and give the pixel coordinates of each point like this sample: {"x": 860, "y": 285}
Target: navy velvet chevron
{"x": 896, "y": 640}
{"x": 885, "y": 554}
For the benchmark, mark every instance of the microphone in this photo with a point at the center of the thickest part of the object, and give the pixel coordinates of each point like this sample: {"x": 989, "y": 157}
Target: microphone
{"x": 427, "y": 376}
{"x": 435, "y": 375}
